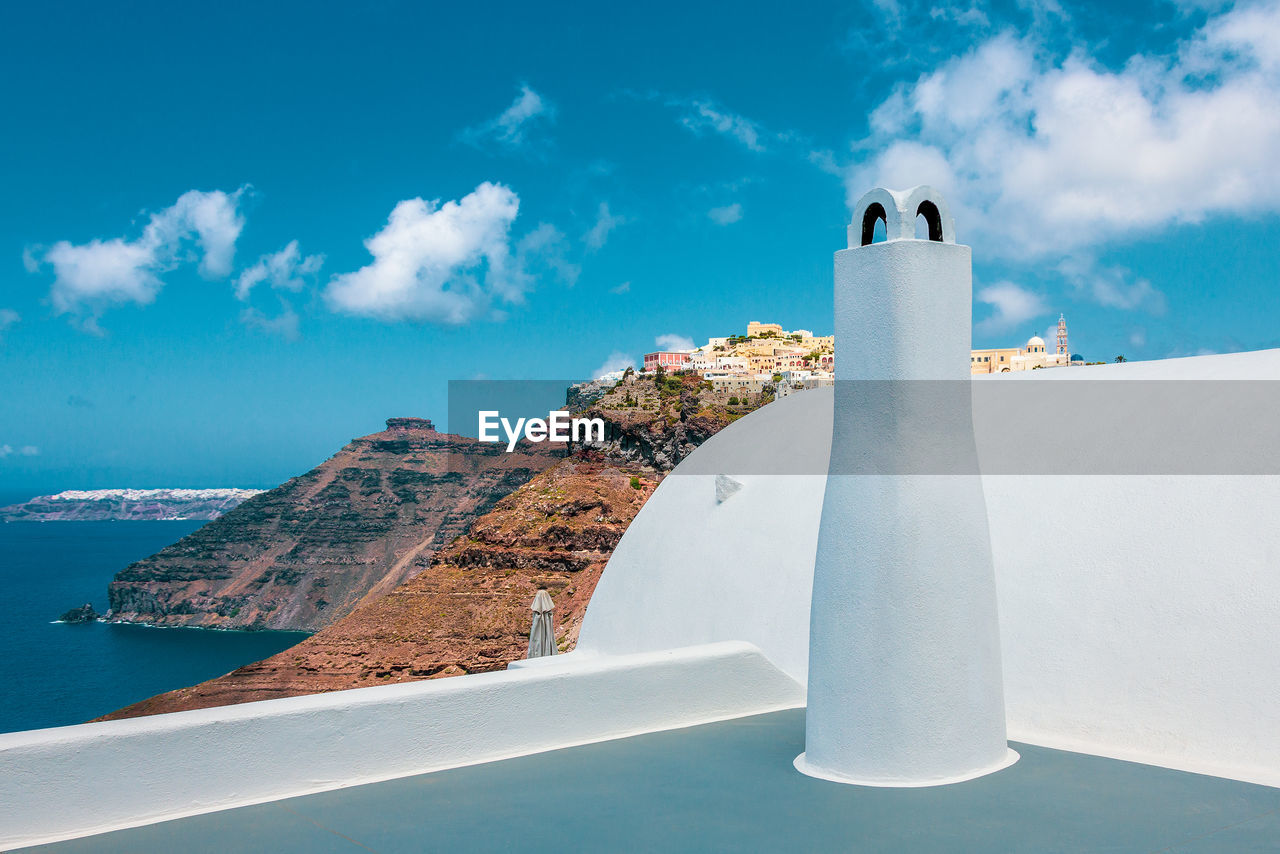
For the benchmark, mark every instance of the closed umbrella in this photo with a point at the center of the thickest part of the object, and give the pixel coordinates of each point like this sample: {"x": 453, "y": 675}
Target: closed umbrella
{"x": 542, "y": 636}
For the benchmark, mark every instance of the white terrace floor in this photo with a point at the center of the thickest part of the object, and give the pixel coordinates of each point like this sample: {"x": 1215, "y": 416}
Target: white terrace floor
{"x": 730, "y": 786}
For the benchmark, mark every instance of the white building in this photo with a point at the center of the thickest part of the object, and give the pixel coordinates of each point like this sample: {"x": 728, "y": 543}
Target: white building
{"x": 793, "y": 381}
{"x": 1001, "y": 360}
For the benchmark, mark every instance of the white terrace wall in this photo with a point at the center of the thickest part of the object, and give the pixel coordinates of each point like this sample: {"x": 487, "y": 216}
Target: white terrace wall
{"x": 1143, "y": 623}
{"x": 79, "y": 780}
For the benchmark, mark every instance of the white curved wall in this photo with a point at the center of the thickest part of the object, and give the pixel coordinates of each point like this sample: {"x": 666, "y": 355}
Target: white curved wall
{"x": 1138, "y": 614}
{"x": 690, "y": 568}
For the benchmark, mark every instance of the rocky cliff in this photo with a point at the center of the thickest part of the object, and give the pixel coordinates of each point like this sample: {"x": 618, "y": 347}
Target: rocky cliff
{"x": 303, "y": 555}
{"x": 464, "y": 609}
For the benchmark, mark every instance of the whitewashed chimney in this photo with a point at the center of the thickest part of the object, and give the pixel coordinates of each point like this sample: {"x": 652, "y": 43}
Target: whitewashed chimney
{"x": 905, "y": 686}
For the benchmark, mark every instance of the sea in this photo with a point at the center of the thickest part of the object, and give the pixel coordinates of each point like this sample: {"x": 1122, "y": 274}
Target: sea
{"x": 52, "y": 673}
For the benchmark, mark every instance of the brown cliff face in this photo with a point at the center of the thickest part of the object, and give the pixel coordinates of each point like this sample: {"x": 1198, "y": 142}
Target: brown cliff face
{"x": 304, "y": 554}
{"x": 465, "y": 609}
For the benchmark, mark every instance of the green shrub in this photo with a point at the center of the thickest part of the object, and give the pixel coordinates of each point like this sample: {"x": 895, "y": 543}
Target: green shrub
{"x": 635, "y": 482}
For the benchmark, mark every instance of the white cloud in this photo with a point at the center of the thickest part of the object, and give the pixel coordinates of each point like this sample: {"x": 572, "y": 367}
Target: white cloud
{"x": 286, "y": 270}
{"x": 623, "y": 288}
{"x": 512, "y": 126}
{"x": 91, "y": 277}
{"x": 1050, "y": 338}
{"x": 616, "y": 362}
{"x": 726, "y": 215}
{"x": 1013, "y": 305}
{"x": 544, "y": 248}
{"x": 702, "y": 116}
{"x": 25, "y": 450}
{"x": 1040, "y": 157}
{"x": 216, "y": 222}
{"x": 962, "y": 15}
{"x": 908, "y": 35}
{"x": 606, "y": 222}
{"x": 671, "y": 341}
{"x": 447, "y": 263}
{"x": 8, "y": 317}
{"x": 425, "y": 260}
{"x": 284, "y": 324}
{"x": 1113, "y": 287}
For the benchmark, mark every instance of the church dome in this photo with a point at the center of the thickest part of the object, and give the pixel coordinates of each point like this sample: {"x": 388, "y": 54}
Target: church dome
{"x": 1035, "y": 341}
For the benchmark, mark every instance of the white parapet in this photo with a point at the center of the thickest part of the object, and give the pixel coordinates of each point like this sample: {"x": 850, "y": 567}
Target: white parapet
{"x": 79, "y": 780}
{"x": 904, "y": 653}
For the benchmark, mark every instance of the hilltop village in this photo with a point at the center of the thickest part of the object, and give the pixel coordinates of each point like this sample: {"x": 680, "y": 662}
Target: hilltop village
{"x": 769, "y": 358}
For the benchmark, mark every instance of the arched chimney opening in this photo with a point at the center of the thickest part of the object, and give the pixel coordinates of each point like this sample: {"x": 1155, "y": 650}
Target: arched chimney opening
{"x": 875, "y": 211}
{"x": 932, "y": 217}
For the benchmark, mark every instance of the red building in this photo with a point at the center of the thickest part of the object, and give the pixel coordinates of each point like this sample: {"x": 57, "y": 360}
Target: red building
{"x": 667, "y": 360}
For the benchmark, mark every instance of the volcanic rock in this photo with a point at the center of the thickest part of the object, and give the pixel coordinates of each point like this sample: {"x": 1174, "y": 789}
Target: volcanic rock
{"x": 464, "y": 609}
{"x": 303, "y": 555}
{"x": 83, "y": 614}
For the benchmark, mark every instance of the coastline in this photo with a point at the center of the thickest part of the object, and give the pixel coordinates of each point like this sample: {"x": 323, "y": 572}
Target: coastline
{"x": 230, "y": 630}
{"x": 71, "y": 673}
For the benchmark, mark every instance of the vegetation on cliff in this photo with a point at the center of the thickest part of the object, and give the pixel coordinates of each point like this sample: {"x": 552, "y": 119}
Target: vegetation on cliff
{"x": 658, "y": 419}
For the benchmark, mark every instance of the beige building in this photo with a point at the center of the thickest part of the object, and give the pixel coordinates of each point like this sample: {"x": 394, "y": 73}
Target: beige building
{"x": 741, "y": 382}
{"x": 798, "y": 337}
{"x": 1005, "y": 359}
{"x": 756, "y": 329}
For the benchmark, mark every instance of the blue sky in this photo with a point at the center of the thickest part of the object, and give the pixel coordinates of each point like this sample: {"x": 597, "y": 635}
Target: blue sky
{"x": 234, "y": 237}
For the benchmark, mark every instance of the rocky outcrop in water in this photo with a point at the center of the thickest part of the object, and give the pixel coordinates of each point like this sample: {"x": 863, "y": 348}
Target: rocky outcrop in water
{"x": 83, "y": 614}
{"x": 303, "y": 555}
